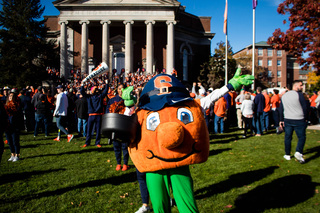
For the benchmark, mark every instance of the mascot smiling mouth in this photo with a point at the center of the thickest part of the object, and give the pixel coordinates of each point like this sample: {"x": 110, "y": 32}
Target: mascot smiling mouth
{"x": 175, "y": 159}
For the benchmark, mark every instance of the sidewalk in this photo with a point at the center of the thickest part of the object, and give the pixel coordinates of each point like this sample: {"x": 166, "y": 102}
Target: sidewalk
{"x": 314, "y": 127}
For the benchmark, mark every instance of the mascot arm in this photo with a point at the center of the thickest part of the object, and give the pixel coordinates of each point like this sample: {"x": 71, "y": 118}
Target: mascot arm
{"x": 206, "y": 102}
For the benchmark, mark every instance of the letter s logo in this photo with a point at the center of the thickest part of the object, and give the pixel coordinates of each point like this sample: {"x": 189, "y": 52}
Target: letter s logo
{"x": 163, "y": 83}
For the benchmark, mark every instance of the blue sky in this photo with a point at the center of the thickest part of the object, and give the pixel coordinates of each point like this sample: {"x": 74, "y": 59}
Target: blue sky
{"x": 239, "y": 19}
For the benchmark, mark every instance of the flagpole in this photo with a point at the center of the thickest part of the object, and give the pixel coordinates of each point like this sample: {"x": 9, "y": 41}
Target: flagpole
{"x": 253, "y": 44}
{"x": 225, "y": 30}
{"x": 226, "y": 61}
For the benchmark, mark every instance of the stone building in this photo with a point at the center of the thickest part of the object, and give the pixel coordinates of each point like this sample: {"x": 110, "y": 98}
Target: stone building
{"x": 130, "y": 35}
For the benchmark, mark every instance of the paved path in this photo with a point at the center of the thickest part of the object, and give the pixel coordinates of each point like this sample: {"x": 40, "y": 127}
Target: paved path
{"x": 314, "y": 127}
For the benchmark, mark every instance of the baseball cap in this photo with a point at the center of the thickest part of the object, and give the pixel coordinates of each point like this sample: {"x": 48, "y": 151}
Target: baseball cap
{"x": 161, "y": 90}
{"x": 59, "y": 87}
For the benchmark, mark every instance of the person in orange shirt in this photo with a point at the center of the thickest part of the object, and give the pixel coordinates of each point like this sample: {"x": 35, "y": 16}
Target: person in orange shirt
{"x": 266, "y": 111}
{"x": 220, "y": 111}
{"x": 275, "y": 104}
{"x": 313, "y": 108}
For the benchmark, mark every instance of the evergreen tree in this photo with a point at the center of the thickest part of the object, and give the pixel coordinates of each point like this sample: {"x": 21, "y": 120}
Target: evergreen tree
{"x": 212, "y": 73}
{"x": 23, "y": 46}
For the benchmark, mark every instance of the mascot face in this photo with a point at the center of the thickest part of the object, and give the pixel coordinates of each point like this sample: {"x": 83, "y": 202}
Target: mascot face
{"x": 174, "y": 136}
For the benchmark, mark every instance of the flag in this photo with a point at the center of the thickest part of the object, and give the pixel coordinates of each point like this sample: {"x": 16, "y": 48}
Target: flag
{"x": 254, "y": 4}
{"x": 225, "y": 18}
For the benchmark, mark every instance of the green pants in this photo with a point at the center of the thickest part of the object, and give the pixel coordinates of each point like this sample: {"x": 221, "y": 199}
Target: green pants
{"x": 182, "y": 187}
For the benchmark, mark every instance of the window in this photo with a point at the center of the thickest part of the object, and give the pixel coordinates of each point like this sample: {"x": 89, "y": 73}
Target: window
{"x": 270, "y": 74}
{"x": 185, "y": 65}
{"x": 279, "y": 73}
{"x": 259, "y": 62}
{"x": 269, "y": 52}
{"x": 279, "y": 53}
{"x": 288, "y": 76}
{"x": 260, "y": 52}
{"x": 269, "y": 62}
{"x": 278, "y": 62}
{"x": 278, "y": 84}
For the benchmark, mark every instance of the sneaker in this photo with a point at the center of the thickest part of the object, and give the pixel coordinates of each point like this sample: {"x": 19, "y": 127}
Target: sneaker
{"x": 70, "y": 137}
{"x": 56, "y": 139}
{"x": 287, "y": 157}
{"x": 98, "y": 145}
{"x": 299, "y": 157}
{"x": 15, "y": 159}
{"x": 11, "y": 158}
{"x": 258, "y": 135}
{"x": 118, "y": 167}
{"x": 125, "y": 167}
{"x": 143, "y": 209}
{"x": 84, "y": 146}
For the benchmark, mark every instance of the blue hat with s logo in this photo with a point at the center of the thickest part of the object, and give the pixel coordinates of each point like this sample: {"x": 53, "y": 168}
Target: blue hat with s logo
{"x": 161, "y": 90}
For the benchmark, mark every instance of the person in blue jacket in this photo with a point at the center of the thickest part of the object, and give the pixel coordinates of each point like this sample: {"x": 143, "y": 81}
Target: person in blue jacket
{"x": 95, "y": 111}
{"x": 259, "y": 104}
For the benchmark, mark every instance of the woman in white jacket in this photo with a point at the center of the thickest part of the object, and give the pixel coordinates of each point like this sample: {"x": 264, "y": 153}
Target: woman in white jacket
{"x": 247, "y": 108}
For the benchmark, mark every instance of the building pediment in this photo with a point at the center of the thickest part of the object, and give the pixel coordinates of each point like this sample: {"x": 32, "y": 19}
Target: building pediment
{"x": 116, "y": 2}
{"x": 136, "y": 10}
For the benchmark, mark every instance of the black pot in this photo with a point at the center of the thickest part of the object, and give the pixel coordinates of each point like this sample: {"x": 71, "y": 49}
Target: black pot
{"x": 120, "y": 127}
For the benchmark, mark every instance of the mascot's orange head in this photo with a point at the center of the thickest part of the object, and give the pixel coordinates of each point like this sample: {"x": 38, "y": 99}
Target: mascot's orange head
{"x": 173, "y": 128}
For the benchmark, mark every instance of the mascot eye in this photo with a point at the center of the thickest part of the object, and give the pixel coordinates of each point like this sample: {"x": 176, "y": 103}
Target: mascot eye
{"x": 185, "y": 115}
{"x": 153, "y": 120}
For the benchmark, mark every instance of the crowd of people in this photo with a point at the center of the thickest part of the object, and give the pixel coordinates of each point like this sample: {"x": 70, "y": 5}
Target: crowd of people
{"x": 78, "y": 106}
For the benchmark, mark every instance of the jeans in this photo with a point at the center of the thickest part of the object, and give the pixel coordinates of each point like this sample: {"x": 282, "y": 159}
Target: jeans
{"x": 218, "y": 119}
{"x": 117, "y": 147}
{"x": 143, "y": 186}
{"x": 94, "y": 120}
{"x": 276, "y": 119}
{"x": 258, "y": 122}
{"x": 60, "y": 121}
{"x": 13, "y": 138}
{"x": 1, "y": 144}
{"x": 247, "y": 125}
{"x": 39, "y": 118}
{"x": 265, "y": 121}
{"x": 299, "y": 126}
{"x": 83, "y": 123}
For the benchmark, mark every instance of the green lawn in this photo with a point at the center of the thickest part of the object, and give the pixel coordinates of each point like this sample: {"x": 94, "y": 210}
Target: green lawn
{"x": 241, "y": 175}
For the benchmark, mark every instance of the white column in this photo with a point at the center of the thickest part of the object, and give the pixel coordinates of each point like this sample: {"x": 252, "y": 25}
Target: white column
{"x": 105, "y": 41}
{"x": 170, "y": 46}
{"x": 128, "y": 47}
{"x": 70, "y": 47}
{"x": 150, "y": 46}
{"x": 84, "y": 46}
{"x": 63, "y": 49}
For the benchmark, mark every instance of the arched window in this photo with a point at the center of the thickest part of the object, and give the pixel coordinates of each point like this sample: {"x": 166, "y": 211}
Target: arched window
{"x": 186, "y": 53}
{"x": 185, "y": 65}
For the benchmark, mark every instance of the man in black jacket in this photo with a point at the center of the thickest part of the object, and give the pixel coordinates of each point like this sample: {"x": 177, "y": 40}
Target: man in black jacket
{"x": 42, "y": 112}
{"x": 82, "y": 114}
{"x": 3, "y": 125}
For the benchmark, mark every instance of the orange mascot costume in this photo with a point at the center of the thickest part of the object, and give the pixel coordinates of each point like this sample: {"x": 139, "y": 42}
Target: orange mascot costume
{"x": 173, "y": 136}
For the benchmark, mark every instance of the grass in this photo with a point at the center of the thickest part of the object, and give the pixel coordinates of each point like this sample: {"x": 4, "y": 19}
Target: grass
{"x": 241, "y": 175}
